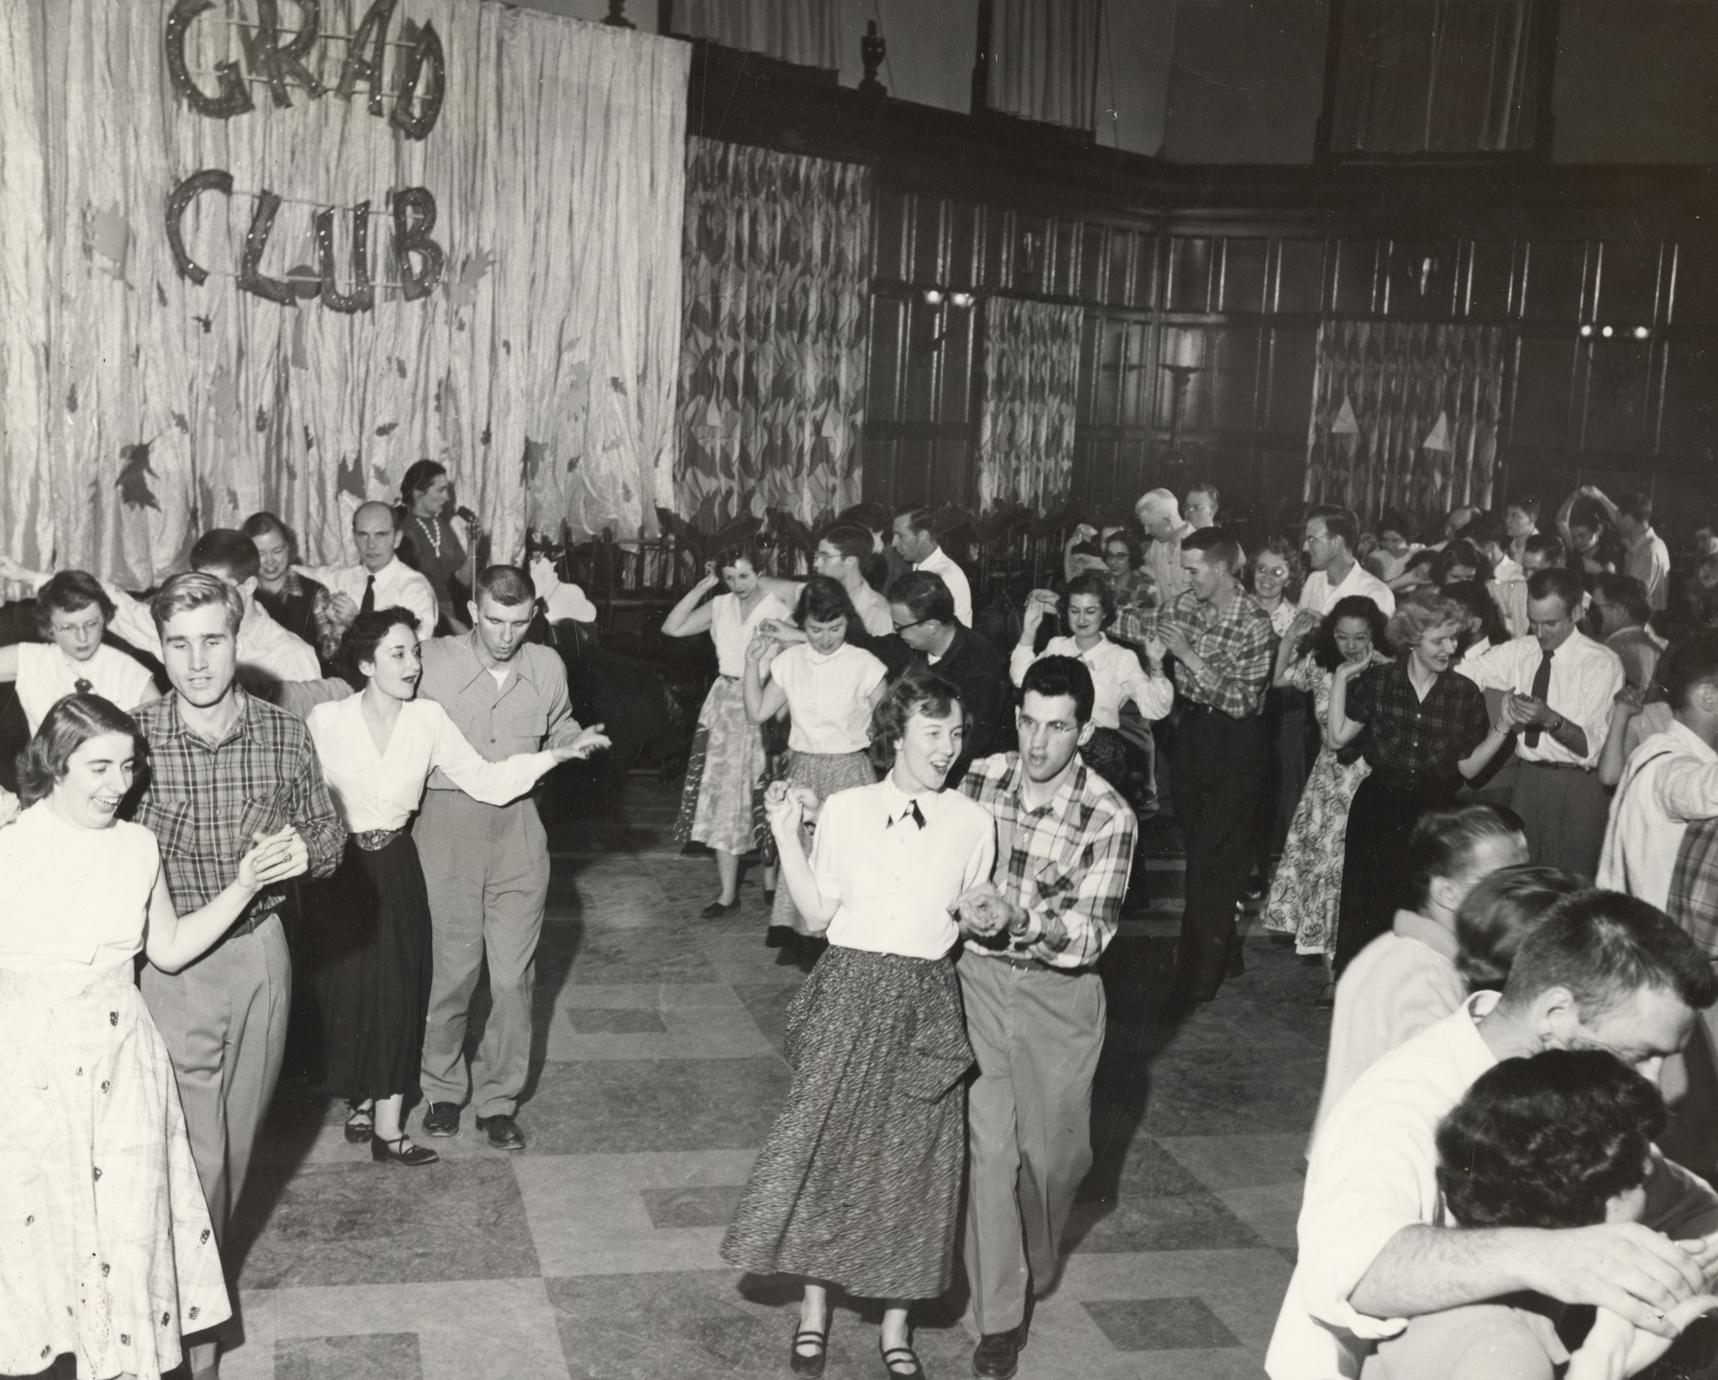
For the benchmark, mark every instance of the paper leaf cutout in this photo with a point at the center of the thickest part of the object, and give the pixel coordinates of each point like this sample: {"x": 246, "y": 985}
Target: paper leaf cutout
{"x": 134, "y": 476}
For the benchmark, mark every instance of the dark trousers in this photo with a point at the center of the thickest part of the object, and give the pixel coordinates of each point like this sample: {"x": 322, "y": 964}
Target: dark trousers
{"x": 1218, "y": 765}
{"x": 1374, "y": 862}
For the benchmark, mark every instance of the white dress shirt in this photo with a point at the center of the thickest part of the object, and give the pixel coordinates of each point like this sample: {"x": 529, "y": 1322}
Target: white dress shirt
{"x": 46, "y": 675}
{"x": 265, "y": 649}
{"x": 1648, "y": 560}
{"x": 939, "y": 564}
{"x": 397, "y": 586}
{"x": 893, "y": 882}
{"x": 1318, "y": 596}
{"x": 1373, "y": 1171}
{"x": 828, "y": 697}
{"x": 380, "y": 789}
{"x": 1670, "y": 780}
{"x": 1397, "y": 986}
{"x": 1585, "y": 678}
{"x": 1117, "y": 677}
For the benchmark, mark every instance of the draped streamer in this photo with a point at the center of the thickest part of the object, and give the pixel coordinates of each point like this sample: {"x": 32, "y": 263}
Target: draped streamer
{"x": 1398, "y": 380}
{"x": 1031, "y": 378}
{"x": 540, "y": 369}
{"x": 772, "y": 366}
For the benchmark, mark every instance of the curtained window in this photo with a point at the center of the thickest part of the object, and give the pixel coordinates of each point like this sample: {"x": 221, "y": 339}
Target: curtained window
{"x": 777, "y": 275}
{"x": 803, "y": 31}
{"x": 1438, "y": 76}
{"x": 1044, "y": 59}
{"x": 1404, "y": 415}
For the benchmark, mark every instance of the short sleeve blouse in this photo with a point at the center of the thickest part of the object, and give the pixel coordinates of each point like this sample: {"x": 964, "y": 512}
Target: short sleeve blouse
{"x": 731, "y": 630}
{"x": 72, "y": 897}
{"x": 828, "y": 697}
{"x": 46, "y": 675}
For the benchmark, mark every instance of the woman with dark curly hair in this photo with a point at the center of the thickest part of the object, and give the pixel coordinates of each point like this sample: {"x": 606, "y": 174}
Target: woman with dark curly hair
{"x": 1422, "y": 728}
{"x": 858, "y": 1183}
{"x": 377, "y": 749}
{"x": 1556, "y": 1140}
{"x": 1483, "y": 627}
{"x": 1306, "y": 890}
{"x": 430, "y": 543}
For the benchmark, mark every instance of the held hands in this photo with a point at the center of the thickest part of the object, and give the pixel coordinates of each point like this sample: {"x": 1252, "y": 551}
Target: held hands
{"x": 576, "y": 746}
{"x": 762, "y": 650}
{"x": 1630, "y": 700}
{"x": 1523, "y": 711}
{"x": 342, "y": 607}
{"x": 1175, "y": 640}
{"x": 277, "y": 857}
{"x": 789, "y": 807}
{"x": 1636, "y": 1272}
{"x": 981, "y": 911}
{"x": 1614, "y": 1348}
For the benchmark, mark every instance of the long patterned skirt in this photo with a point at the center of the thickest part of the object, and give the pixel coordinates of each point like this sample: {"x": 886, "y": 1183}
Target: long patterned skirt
{"x": 825, "y": 773}
{"x": 106, "y": 1249}
{"x": 858, "y": 1184}
{"x": 727, "y": 755}
{"x": 1306, "y": 890}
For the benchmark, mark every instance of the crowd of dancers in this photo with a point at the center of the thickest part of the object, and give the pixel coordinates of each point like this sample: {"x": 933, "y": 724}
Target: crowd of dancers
{"x": 1478, "y": 779}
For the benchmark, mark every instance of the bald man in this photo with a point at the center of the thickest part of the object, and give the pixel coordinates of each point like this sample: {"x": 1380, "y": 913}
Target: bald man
{"x": 380, "y": 580}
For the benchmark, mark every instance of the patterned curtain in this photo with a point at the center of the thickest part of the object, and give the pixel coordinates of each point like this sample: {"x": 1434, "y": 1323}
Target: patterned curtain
{"x": 1044, "y": 60}
{"x": 1404, "y": 416}
{"x": 772, "y": 365}
{"x": 1031, "y": 375}
{"x": 138, "y": 407}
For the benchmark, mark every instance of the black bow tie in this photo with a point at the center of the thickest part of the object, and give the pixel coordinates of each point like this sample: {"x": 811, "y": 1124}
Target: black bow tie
{"x": 82, "y": 687}
{"x": 912, "y": 812}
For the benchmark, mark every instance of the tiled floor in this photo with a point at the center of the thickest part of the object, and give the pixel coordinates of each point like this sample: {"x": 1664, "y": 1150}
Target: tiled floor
{"x": 594, "y": 1253}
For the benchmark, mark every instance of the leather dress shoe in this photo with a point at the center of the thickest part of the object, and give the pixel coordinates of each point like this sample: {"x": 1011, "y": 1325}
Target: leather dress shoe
{"x": 441, "y": 1119}
{"x": 997, "y": 1355}
{"x": 503, "y": 1131}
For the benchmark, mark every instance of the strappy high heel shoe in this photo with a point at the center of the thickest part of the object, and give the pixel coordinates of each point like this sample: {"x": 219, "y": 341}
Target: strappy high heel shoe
{"x": 810, "y": 1361}
{"x": 360, "y": 1125}
{"x": 401, "y": 1150}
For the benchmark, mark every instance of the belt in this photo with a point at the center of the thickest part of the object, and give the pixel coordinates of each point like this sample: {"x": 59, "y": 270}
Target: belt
{"x": 248, "y": 924}
{"x": 1026, "y": 961}
{"x": 1555, "y": 766}
{"x": 375, "y": 840}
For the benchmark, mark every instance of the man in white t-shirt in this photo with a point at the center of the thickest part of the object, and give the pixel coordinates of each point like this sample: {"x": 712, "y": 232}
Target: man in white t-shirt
{"x": 916, "y": 540}
{"x": 1600, "y": 970}
{"x": 1329, "y": 547}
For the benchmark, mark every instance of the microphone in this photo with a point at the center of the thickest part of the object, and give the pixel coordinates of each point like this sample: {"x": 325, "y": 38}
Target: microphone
{"x": 466, "y": 515}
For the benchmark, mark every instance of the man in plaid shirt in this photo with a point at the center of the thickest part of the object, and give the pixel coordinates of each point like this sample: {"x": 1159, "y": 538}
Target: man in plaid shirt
{"x": 1034, "y": 1003}
{"x": 1222, "y": 641}
{"x": 224, "y": 769}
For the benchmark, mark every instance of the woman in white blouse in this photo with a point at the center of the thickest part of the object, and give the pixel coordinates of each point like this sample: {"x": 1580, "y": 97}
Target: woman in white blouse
{"x": 72, "y": 614}
{"x": 827, "y": 687}
{"x": 858, "y": 1183}
{"x": 107, "y": 1249}
{"x": 377, "y": 749}
{"x": 1117, "y": 675}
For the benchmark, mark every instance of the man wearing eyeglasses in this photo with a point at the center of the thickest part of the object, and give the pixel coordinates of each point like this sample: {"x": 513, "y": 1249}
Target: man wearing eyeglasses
{"x": 928, "y": 635}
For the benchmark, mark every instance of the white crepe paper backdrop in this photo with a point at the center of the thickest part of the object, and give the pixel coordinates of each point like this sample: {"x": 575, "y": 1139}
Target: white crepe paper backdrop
{"x": 516, "y": 180}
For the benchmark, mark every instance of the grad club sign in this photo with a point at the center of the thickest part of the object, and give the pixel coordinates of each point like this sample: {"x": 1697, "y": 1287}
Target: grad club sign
{"x": 275, "y": 57}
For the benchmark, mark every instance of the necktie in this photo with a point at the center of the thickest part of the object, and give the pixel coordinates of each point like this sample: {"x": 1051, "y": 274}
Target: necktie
{"x": 1541, "y": 689}
{"x": 912, "y": 812}
{"x": 369, "y": 604}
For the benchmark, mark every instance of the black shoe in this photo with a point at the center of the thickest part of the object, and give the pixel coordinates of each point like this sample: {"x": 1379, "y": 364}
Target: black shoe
{"x": 897, "y": 1356}
{"x": 716, "y": 910}
{"x": 441, "y": 1119}
{"x": 402, "y": 1150}
{"x": 504, "y": 1132}
{"x": 997, "y": 1355}
{"x": 809, "y": 1351}
{"x": 769, "y": 897}
{"x": 359, "y": 1126}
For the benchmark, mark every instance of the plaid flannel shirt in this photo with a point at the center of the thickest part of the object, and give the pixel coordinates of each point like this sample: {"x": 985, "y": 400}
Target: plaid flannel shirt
{"x": 1066, "y": 863}
{"x": 1236, "y": 644}
{"x": 204, "y": 801}
{"x": 1693, "y": 902}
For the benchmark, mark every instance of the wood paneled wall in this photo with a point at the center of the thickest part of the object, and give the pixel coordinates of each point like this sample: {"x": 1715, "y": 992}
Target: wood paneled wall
{"x": 1635, "y": 410}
